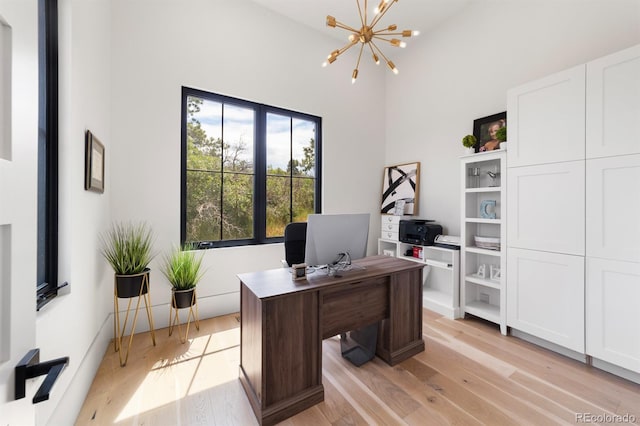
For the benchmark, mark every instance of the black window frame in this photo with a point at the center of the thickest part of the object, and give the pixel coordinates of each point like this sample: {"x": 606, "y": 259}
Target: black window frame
{"x": 260, "y": 166}
{"x": 47, "y": 247}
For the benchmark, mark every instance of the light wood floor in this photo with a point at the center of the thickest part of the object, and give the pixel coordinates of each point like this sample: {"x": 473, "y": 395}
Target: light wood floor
{"x": 469, "y": 374}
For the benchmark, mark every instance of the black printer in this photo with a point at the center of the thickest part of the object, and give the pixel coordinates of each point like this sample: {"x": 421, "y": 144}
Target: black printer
{"x": 419, "y": 231}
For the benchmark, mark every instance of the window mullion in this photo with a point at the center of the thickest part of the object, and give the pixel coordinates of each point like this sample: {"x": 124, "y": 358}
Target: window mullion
{"x": 260, "y": 176}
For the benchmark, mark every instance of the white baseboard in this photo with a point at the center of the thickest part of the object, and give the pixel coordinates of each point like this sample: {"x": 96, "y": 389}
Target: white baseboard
{"x": 208, "y": 307}
{"x": 595, "y": 362}
{"x": 614, "y": 369}
{"x": 70, "y": 405}
{"x": 548, "y": 345}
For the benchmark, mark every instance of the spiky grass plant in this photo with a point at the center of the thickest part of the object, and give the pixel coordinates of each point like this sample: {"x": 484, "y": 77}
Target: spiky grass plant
{"x": 182, "y": 267}
{"x": 127, "y": 247}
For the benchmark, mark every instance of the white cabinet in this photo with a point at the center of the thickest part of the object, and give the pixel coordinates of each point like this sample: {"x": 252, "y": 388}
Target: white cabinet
{"x": 546, "y": 119}
{"x": 613, "y": 208}
{"x": 482, "y": 280}
{"x": 441, "y": 275}
{"x": 545, "y": 296}
{"x": 613, "y": 329}
{"x": 613, "y": 104}
{"x": 574, "y": 201}
{"x": 546, "y": 207}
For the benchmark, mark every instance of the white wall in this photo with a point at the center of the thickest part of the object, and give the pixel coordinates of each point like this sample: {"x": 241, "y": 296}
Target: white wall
{"x": 240, "y": 49}
{"x": 462, "y": 70}
{"x": 73, "y": 323}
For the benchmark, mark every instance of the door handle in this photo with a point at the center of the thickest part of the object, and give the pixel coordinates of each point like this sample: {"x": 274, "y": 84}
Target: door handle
{"x": 30, "y": 367}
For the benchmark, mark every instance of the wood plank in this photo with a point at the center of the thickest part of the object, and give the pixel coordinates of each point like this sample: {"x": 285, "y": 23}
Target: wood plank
{"x": 469, "y": 374}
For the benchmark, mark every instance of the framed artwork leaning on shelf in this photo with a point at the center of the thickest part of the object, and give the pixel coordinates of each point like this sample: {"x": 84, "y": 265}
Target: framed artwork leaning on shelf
{"x": 401, "y": 184}
{"x": 485, "y": 128}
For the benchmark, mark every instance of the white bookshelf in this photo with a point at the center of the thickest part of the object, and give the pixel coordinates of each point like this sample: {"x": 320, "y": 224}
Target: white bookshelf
{"x": 441, "y": 275}
{"x": 483, "y": 296}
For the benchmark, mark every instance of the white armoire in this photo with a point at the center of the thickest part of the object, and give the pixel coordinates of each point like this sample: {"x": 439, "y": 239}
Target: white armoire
{"x": 573, "y": 235}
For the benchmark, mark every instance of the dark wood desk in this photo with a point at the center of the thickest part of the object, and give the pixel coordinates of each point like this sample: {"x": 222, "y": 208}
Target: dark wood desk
{"x": 283, "y": 323}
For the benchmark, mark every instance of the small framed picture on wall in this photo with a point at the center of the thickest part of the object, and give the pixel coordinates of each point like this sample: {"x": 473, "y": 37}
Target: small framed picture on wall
{"x": 94, "y": 163}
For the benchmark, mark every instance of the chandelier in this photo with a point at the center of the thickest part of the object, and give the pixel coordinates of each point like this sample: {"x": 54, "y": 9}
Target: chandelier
{"x": 367, "y": 34}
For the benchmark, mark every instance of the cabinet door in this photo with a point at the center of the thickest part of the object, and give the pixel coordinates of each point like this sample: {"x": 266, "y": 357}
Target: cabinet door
{"x": 545, "y": 296}
{"x": 546, "y": 119}
{"x": 613, "y": 208}
{"x": 613, "y": 104}
{"x": 613, "y": 329}
{"x": 546, "y": 207}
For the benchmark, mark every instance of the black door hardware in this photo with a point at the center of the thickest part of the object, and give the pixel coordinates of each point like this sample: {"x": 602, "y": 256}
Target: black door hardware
{"x": 30, "y": 367}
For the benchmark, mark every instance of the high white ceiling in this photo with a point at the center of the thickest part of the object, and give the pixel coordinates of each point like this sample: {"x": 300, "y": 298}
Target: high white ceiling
{"x": 419, "y": 15}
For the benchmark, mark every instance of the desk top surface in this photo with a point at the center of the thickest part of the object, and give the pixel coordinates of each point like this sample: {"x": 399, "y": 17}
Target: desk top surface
{"x": 278, "y": 282}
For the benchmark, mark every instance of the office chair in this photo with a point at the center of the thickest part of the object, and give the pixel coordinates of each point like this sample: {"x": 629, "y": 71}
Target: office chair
{"x": 295, "y": 239}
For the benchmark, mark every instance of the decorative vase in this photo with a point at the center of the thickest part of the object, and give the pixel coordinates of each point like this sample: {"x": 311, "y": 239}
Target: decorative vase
{"x": 503, "y": 145}
{"x": 470, "y": 150}
{"x": 128, "y": 286}
{"x": 183, "y": 298}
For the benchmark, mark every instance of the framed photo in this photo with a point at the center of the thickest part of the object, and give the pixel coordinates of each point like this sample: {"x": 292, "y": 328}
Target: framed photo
{"x": 93, "y": 163}
{"x": 401, "y": 183}
{"x": 484, "y": 129}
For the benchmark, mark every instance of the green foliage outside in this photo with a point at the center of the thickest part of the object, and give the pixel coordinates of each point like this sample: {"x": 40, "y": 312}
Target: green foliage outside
{"x": 220, "y": 187}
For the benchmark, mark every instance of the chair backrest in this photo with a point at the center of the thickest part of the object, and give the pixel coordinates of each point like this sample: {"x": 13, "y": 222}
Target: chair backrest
{"x": 295, "y": 239}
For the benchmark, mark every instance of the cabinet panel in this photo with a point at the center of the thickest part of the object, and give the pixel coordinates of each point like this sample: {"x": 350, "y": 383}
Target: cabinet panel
{"x": 613, "y": 209}
{"x": 545, "y": 296}
{"x": 613, "y": 329}
{"x": 613, "y": 104}
{"x": 547, "y": 120}
{"x": 546, "y": 207}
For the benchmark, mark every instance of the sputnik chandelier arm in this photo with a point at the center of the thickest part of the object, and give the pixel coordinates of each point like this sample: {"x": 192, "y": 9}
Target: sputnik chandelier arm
{"x": 366, "y": 35}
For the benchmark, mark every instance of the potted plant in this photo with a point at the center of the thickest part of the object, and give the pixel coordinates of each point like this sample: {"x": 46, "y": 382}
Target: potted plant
{"x": 183, "y": 269}
{"x": 501, "y": 135}
{"x": 127, "y": 248}
{"x": 469, "y": 142}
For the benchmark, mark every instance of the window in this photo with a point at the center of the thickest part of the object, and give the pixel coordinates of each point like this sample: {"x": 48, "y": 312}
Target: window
{"x": 247, "y": 170}
{"x": 47, "y": 286}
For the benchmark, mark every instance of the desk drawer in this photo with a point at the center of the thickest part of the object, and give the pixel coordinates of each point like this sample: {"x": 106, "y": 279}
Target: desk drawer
{"x": 353, "y": 306}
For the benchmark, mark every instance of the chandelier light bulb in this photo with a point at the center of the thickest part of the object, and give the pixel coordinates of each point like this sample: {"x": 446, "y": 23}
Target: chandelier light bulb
{"x": 416, "y": 33}
{"x": 376, "y": 59}
{"x": 393, "y": 67}
{"x": 354, "y": 76}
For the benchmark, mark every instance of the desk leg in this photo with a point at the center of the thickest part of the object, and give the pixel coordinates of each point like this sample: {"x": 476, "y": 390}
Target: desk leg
{"x": 280, "y": 354}
{"x": 400, "y": 336}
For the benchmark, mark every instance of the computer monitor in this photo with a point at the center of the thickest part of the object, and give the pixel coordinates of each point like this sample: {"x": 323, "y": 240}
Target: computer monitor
{"x": 329, "y": 235}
